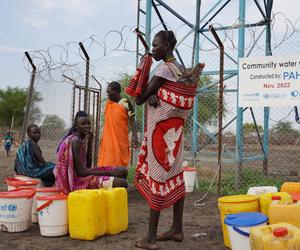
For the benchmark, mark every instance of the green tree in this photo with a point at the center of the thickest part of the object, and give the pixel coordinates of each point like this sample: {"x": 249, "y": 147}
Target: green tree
{"x": 250, "y": 128}
{"x": 208, "y": 104}
{"x": 53, "y": 128}
{"x": 12, "y": 107}
{"x": 53, "y": 122}
{"x": 124, "y": 81}
{"x": 284, "y": 128}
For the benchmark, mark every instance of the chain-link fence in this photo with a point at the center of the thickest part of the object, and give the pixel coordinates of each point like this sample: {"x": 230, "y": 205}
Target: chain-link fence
{"x": 54, "y": 104}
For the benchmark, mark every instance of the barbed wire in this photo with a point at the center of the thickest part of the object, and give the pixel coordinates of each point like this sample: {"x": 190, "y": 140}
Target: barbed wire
{"x": 68, "y": 59}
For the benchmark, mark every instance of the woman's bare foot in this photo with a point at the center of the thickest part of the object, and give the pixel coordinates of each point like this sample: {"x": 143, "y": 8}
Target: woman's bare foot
{"x": 145, "y": 244}
{"x": 170, "y": 235}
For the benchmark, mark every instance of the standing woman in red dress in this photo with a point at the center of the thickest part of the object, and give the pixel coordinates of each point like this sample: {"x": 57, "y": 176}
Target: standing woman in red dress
{"x": 159, "y": 173}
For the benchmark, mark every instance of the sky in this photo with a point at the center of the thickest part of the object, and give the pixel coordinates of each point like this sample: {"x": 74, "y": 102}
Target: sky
{"x": 30, "y": 25}
{"x": 38, "y": 24}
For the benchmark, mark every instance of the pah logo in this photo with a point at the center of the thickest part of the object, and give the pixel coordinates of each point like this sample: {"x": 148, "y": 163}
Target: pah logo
{"x": 294, "y": 93}
{"x": 12, "y": 207}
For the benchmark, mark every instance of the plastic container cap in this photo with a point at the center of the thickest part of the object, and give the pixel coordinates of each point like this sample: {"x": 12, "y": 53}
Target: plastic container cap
{"x": 247, "y": 219}
{"x": 47, "y": 190}
{"x": 295, "y": 197}
{"x": 54, "y": 197}
{"x": 19, "y": 183}
{"x": 190, "y": 169}
{"x": 238, "y": 198}
{"x": 23, "y": 194}
{"x": 276, "y": 198}
{"x": 9, "y": 179}
{"x": 22, "y": 189}
{"x": 280, "y": 232}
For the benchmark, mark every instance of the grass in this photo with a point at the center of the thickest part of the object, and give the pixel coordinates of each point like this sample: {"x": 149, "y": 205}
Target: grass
{"x": 250, "y": 178}
{"x": 130, "y": 176}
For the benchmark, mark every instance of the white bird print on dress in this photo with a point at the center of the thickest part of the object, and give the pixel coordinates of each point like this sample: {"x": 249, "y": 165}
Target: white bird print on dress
{"x": 170, "y": 137}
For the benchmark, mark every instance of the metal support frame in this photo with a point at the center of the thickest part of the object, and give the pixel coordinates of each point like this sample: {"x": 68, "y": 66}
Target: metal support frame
{"x": 268, "y": 52}
{"x": 196, "y": 101}
{"x": 221, "y": 95}
{"x": 148, "y": 40}
{"x": 30, "y": 94}
{"x": 241, "y": 25}
{"x": 239, "y": 121}
{"x": 98, "y": 121}
{"x": 87, "y": 77}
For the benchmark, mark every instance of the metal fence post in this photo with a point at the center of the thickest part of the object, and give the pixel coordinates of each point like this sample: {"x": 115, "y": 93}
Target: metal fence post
{"x": 195, "y": 57}
{"x": 98, "y": 122}
{"x": 29, "y": 96}
{"x": 239, "y": 122}
{"x": 221, "y": 93}
{"x": 267, "y": 109}
{"x": 87, "y": 73}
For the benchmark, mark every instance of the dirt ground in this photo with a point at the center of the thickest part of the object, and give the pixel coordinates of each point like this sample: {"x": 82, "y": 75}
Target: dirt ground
{"x": 202, "y": 227}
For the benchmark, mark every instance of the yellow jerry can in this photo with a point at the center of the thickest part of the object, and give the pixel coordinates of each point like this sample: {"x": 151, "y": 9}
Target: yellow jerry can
{"x": 87, "y": 214}
{"x": 116, "y": 203}
{"x": 290, "y": 187}
{"x": 289, "y": 213}
{"x": 280, "y": 236}
{"x": 266, "y": 199}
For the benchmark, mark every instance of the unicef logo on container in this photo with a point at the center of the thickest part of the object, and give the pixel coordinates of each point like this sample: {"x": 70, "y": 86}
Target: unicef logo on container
{"x": 12, "y": 207}
{"x": 294, "y": 93}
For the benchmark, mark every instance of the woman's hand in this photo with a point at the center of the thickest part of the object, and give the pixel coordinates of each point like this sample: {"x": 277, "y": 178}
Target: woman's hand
{"x": 135, "y": 141}
{"x": 89, "y": 135}
{"x": 153, "y": 101}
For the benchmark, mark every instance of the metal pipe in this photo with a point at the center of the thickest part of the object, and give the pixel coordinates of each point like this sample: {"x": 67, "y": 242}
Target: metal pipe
{"x": 30, "y": 60}
{"x": 87, "y": 73}
{"x": 79, "y": 100}
{"x": 29, "y": 96}
{"x": 231, "y": 121}
{"x": 236, "y": 26}
{"x": 138, "y": 26}
{"x": 196, "y": 101}
{"x": 221, "y": 98}
{"x": 97, "y": 121}
{"x": 217, "y": 46}
{"x": 260, "y": 9}
{"x": 211, "y": 10}
{"x": 214, "y": 15}
{"x": 148, "y": 40}
{"x": 257, "y": 131}
{"x": 175, "y": 13}
{"x": 239, "y": 125}
{"x": 268, "y": 52}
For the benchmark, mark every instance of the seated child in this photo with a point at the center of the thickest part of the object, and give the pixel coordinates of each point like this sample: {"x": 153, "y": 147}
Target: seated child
{"x": 74, "y": 160}
{"x": 30, "y": 161}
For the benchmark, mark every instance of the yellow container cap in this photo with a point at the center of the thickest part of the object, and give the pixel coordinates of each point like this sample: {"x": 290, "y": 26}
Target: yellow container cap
{"x": 238, "y": 198}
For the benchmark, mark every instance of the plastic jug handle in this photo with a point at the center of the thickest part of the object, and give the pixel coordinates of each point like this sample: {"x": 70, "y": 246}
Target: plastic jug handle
{"x": 46, "y": 204}
{"x": 241, "y": 231}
